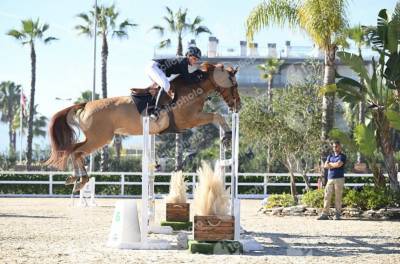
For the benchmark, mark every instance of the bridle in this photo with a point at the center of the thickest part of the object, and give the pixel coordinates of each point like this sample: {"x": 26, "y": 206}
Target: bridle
{"x": 222, "y": 90}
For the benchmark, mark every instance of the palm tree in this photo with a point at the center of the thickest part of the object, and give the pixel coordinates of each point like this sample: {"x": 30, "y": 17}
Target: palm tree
{"x": 268, "y": 71}
{"x": 107, "y": 26}
{"x": 379, "y": 89}
{"x": 9, "y": 103}
{"x": 323, "y": 21}
{"x": 86, "y": 96}
{"x": 178, "y": 25}
{"x": 39, "y": 123}
{"x": 30, "y": 32}
{"x": 384, "y": 111}
{"x": 39, "y": 128}
{"x": 358, "y": 35}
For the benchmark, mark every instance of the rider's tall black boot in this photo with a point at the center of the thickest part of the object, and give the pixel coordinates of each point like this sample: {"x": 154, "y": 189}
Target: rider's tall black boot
{"x": 155, "y": 114}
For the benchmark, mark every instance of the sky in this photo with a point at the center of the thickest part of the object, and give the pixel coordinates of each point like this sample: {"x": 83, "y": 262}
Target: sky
{"x": 65, "y": 67}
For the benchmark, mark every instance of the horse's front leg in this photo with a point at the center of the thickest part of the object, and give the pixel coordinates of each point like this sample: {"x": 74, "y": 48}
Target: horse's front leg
{"x": 217, "y": 119}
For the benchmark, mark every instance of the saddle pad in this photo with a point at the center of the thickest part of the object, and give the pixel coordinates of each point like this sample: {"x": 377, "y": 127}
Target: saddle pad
{"x": 143, "y": 101}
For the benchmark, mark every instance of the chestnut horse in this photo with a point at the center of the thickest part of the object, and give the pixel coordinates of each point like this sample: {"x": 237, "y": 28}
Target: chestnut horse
{"x": 101, "y": 119}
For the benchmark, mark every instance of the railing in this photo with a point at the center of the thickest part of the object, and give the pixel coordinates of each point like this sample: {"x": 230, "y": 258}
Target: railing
{"x": 254, "y": 189}
{"x": 299, "y": 52}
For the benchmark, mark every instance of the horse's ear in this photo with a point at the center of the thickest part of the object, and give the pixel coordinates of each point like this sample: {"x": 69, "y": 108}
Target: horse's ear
{"x": 235, "y": 70}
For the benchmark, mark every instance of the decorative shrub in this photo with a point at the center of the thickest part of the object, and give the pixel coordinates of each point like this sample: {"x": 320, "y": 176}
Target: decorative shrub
{"x": 376, "y": 197}
{"x": 354, "y": 199}
{"x": 313, "y": 198}
{"x": 280, "y": 200}
{"x": 371, "y": 197}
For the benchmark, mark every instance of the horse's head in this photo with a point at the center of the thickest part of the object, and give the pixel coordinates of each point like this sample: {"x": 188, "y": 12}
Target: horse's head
{"x": 224, "y": 82}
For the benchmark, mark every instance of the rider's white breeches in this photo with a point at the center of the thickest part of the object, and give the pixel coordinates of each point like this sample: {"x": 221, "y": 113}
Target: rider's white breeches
{"x": 157, "y": 75}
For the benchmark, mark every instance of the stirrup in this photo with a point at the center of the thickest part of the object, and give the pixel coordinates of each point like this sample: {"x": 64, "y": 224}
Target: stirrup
{"x": 155, "y": 114}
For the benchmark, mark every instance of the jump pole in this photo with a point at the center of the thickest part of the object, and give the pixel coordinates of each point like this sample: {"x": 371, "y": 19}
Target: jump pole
{"x": 249, "y": 244}
{"x": 234, "y": 163}
{"x": 126, "y": 231}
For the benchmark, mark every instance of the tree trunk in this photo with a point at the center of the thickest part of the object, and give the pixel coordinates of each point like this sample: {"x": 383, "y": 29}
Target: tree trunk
{"x": 361, "y": 120}
{"x": 104, "y": 55}
{"x": 118, "y": 147}
{"x": 328, "y": 103}
{"x": 31, "y": 108}
{"x": 268, "y": 159}
{"x": 179, "y": 50}
{"x": 385, "y": 142}
{"x": 179, "y": 137}
{"x": 379, "y": 178}
{"x": 269, "y": 93}
{"x": 292, "y": 180}
{"x": 328, "y": 100}
{"x": 14, "y": 141}
{"x": 306, "y": 181}
{"x": 361, "y": 111}
{"x": 178, "y": 152}
{"x": 10, "y": 132}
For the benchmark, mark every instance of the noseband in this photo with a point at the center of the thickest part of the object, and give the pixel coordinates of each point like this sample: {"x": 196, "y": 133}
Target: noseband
{"x": 221, "y": 90}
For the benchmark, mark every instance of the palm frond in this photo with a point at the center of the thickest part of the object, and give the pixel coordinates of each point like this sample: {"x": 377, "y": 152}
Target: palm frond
{"x": 394, "y": 118}
{"x": 165, "y": 43}
{"x": 16, "y": 34}
{"x": 277, "y": 12}
{"x": 169, "y": 11}
{"x": 323, "y": 22}
{"x": 82, "y": 30}
{"x": 45, "y": 27}
{"x": 49, "y": 39}
{"x": 85, "y": 17}
{"x": 355, "y": 62}
{"x": 197, "y": 21}
{"x": 158, "y": 28}
{"x": 28, "y": 26}
{"x": 126, "y": 24}
{"x": 365, "y": 139}
{"x": 120, "y": 34}
{"x": 349, "y": 90}
{"x": 201, "y": 29}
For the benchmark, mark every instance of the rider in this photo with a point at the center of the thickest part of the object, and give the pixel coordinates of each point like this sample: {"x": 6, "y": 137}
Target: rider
{"x": 158, "y": 71}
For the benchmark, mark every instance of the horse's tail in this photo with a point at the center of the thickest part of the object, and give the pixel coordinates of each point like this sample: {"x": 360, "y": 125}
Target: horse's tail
{"x": 62, "y": 137}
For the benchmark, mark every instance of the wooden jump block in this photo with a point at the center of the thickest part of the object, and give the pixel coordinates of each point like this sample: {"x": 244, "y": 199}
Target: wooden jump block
{"x": 178, "y": 212}
{"x": 176, "y": 226}
{"x": 213, "y": 228}
{"x": 224, "y": 247}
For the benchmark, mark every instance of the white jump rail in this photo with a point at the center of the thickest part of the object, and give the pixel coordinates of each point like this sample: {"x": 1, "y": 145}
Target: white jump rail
{"x": 260, "y": 189}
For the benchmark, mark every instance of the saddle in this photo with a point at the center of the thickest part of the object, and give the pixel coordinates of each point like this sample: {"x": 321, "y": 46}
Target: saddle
{"x": 150, "y": 90}
{"x": 145, "y": 98}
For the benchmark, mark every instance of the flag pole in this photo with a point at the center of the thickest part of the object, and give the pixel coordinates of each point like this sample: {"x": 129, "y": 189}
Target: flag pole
{"x": 91, "y": 160}
{"x": 21, "y": 99}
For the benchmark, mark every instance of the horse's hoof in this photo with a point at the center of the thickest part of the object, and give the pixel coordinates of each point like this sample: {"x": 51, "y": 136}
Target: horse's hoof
{"x": 79, "y": 185}
{"x": 226, "y": 139}
{"x": 70, "y": 180}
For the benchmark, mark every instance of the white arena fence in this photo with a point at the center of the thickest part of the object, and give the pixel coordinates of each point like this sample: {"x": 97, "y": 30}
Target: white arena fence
{"x": 256, "y": 189}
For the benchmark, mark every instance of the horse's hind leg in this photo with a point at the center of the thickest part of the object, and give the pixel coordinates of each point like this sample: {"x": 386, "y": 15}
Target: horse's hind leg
{"x": 78, "y": 168}
{"x": 84, "y": 149}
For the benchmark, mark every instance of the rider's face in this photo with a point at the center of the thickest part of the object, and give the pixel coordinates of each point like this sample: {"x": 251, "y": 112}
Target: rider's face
{"x": 193, "y": 60}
